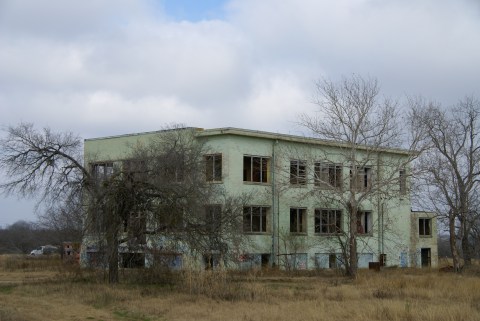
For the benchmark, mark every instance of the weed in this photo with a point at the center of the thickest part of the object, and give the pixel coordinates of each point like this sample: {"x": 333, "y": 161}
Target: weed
{"x": 6, "y": 289}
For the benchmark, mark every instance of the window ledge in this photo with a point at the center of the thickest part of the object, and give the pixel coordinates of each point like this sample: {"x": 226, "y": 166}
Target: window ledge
{"x": 425, "y": 236}
{"x": 298, "y": 233}
{"x": 256, "y": 183}
{"x": 256, "y": 233}
{"x": 365, "y": 234}
{"x": 328, "y": 234}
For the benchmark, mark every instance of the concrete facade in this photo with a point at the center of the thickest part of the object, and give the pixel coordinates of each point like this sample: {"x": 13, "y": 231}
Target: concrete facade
{"x": 296, "y": 209}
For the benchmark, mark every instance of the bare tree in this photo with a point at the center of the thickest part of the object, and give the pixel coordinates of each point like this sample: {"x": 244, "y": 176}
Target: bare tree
{"x": 366, "y": 129}
{"x": 48, "y": 166}
{"x": 451, "y": 168}
{"x": 187, "y": 212}
{"x": 41, "y": 163}
{"x": 160, "y": 190}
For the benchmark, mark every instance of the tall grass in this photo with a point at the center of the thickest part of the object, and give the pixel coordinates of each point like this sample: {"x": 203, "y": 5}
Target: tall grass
{"x": 392, "y": 294}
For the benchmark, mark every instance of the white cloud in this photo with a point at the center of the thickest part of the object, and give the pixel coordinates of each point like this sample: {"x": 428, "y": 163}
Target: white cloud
{"x": 108, "y": 67}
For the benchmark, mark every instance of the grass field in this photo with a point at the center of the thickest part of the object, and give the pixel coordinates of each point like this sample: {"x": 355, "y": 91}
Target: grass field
{"x": 44, "y": 289}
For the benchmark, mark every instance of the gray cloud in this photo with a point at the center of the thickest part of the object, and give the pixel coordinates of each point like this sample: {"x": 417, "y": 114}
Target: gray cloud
{"x": 114, "y": 66}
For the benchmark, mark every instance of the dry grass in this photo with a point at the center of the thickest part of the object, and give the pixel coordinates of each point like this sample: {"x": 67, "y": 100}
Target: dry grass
{"x": 396, "y": 294}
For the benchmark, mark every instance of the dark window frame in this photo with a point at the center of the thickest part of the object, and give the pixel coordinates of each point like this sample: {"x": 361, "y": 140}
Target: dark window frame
{"x": 256, "y": 169}
{"x": 425, "y": 226}
{"x": 328, "y": 175}
{"x": 102, "y": 170}
{"x": 213, "y": 167}
{"x": 298, "y": 220}
{"x": 364, "y": 223}
{"x": 328, "y": 221}
{"x": 363, "y": 180}
{"x": 255, "y": 219}
{"x": 298, "y": 172}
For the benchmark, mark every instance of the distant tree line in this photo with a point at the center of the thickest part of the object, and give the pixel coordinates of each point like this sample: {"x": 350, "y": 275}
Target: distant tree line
{"x": 22, "y": 237}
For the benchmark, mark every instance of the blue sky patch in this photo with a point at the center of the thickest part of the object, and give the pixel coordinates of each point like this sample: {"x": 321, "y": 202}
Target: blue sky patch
{"x": 195, "y": 10}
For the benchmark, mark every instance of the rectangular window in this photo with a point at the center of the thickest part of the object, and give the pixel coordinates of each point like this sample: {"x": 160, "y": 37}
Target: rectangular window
{"x": 328, "y": 260}
{"x": 101, "y": 171}
{"x": 255, "y": 169}
{"x": 402, "y": 181}
{"x": 328, "y": 221}
{"x": 213, "y": 219}
{"x": 298, "y": 219}
{"x": 255, "y": 219}
{"x": 424, "y": 227}
{"x": 213, "y": 168}
{"x": 364, "y": 222}
{"x": 362, "y": 180}
{"x": 298, "y": 172}
{"x": 328, "y": 175}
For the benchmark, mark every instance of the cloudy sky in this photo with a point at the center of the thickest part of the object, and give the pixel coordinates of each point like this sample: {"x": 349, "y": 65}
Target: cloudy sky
{"x": 107, "y": 67}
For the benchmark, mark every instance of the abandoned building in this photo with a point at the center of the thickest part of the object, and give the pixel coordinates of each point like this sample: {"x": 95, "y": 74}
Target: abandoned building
{"x": 292, "y": 218}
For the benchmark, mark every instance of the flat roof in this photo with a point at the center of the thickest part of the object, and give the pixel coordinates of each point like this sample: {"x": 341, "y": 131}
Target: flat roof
{"x": 200, "y": 132}
{"x": 290, "y": 138}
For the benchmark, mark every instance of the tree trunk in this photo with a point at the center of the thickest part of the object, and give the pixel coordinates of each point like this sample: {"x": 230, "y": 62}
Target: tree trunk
{"x": 112, "y": 248}
{"x": 453, "y": 245}
{"x": 352, "y": 262}
{"x": 467, "y": 249}
{"x": 352, "y": 241}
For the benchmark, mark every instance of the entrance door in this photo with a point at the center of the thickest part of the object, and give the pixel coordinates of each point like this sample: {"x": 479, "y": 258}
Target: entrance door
{"x": 426, "y": 257}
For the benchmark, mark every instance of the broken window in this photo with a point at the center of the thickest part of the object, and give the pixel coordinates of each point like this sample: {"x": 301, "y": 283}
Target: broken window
{"x": 328, "y": 260}
{"x": 298, "y": 172}
{"x": 364, "y": 222}
{"x": 362, "y": 181}
{"x": 132, "y": 260}
{"x": 255, "y": 169}
{"x": 424, "y": 227}
{"x": 402, "y": 181}
{"x": 328, "y": 175}
{"x": 296, "y": 261}
{"x": 213, "y": 168}
{"x": 255, "y": 219}
{"x": 328, "y": 221}
{"x": 298, "y": 218}
{"x": 102, "y": 171}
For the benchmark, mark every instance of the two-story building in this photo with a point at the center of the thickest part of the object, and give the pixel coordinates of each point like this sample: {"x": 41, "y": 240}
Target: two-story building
{"x": 297, "y": 216}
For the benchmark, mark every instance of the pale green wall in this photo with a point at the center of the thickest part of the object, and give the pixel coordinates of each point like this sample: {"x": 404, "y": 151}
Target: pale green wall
{"x": 397, "y": 236}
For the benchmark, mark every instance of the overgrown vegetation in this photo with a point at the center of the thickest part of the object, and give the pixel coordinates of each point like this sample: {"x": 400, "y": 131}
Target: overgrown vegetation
{"x": 60, "y": 293}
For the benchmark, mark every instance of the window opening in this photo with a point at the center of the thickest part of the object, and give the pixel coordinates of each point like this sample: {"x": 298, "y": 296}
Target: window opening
{"x": 328, "y": 175}
{"x": 328, "y": 221}
{"x": 102, "y": 171}
{"x": 424, "y": 227}
{"x": 255, "y": 169}
{"x": 364, "y": 222}
{"x": 255, "y": 219}
{"x": 213, "y": 168}
{"x": 363, "y": 179}
{"x": 298, "y": 220}
{"x": 298, "y": 172}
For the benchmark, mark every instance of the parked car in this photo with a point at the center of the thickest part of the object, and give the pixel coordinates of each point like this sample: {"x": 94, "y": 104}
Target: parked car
{"x": 44, "y": 250}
